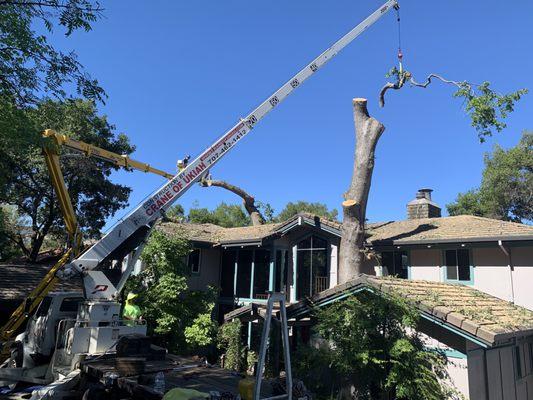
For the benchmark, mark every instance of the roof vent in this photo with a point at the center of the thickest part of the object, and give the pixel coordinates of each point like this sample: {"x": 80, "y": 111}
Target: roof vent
{"x": 422, "y": 206}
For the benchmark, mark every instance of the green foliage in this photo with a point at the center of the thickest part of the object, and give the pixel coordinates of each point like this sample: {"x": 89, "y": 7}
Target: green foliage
{"x": 230, "y": 341}
{"x": 486, "y": 108}
{"x": 8, "y": 221}
{"x": 176, "y": 213}
{"x": 506, "y": 186}
{"x": 202, "y": 331}
{"x": 175, "y": 313}
{"x": 29, "y": 65}
{"x": 226, "y": 215}
{"x": 320, "y": 209}
{"x": 468, "y": 203}
{"x": 371, "y": 343}
{"x": 27, "y": 183}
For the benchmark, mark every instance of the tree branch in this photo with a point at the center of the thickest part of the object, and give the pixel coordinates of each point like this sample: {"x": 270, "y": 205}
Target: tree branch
{"x": 248, "y": 200}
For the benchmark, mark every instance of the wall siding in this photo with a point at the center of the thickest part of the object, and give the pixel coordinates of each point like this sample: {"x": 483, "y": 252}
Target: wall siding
{"x": 491, "y": 273}
{"x": 425, "y": 264}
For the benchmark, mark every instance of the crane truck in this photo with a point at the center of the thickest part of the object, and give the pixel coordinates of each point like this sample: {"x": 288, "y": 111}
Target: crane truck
{"x": 55, "y": 342}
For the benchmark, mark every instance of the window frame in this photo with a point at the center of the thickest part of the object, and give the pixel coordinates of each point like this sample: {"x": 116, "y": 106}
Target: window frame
{"x": 445, "y": 267}
{"x": 199, "y": 262}
{"x": 393, "y": 251}
{"x": 327, "y": 249}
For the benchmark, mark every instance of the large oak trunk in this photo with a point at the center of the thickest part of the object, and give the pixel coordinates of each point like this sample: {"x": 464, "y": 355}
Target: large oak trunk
{"x": 368, "y": 131}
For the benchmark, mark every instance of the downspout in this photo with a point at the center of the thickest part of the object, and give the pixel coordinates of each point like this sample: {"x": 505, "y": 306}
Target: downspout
{"x": 510, "y": 265}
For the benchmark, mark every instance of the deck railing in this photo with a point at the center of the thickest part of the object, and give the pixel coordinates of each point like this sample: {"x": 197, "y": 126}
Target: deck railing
{"x": 321, "y": 283}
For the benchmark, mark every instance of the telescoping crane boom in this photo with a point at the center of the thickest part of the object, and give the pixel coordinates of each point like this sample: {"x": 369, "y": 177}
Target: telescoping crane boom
{"x": 131, "y": 231}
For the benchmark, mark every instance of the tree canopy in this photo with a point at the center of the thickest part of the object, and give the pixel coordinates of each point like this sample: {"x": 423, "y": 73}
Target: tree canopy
{"x": 28, "y": 186}
{"x": 320, "y": 209}
{"x": 31, "y": 68}
{"x": 234, "y": 215}
{"x": 506, "y": 190}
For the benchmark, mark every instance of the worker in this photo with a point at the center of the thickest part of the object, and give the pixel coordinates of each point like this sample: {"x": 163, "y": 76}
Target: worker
{"x": 183, "y": 163}
{"x": 131, "y": 312}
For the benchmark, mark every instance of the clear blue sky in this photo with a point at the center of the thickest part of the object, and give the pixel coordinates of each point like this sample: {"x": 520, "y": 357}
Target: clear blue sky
{"x": 179, "y": 73}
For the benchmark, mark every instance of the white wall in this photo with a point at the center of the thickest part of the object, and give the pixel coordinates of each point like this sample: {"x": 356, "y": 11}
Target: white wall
{"x": 491, "y": 273}
{"x": 522, "y": 261}
{"x": 425, "y": 264}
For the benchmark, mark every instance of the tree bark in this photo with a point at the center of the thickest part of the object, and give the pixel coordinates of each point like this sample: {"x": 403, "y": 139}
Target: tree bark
{"x": 368, "y": 131}
{"x": 248, "y": 201}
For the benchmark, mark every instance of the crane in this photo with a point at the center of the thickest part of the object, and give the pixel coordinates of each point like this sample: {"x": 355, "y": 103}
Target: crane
{"x": 97, "y": 326}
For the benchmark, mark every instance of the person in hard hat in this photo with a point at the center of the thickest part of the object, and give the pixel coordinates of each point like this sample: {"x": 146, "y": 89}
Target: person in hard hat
{"x": 182, "y": 164}
{"x": 131, "y": 311}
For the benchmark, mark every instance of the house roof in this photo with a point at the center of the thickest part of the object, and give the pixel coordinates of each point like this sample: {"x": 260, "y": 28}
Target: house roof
{"x": 217, "y": 235}
{"x": 447, "y": 229}
{"x": 465, "y": 309}
{"x": 18, "y": 280}
{"x": 462, "y": 228}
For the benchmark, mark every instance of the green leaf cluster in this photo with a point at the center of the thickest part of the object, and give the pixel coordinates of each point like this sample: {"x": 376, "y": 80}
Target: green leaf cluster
{"x": 230, "y": 342}
{"x": 293, "y": 208}
{"x": 178, "y": 316}
{"x": 486, "y": 108}
{"x": 506, "y": 190}
{"x": 370, "y": 344}
{"x": 29, "y": 65}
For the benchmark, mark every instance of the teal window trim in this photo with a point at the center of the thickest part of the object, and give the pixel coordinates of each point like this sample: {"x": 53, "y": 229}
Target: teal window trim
{"x": 449, "y": 352}
{"x": 444, "y": 271}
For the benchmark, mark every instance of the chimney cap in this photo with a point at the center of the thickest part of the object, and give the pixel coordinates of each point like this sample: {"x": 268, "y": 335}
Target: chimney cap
{"x": 424, "y": 193}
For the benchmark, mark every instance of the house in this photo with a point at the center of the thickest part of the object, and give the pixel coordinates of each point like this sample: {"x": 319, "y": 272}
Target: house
{"x": 299, "y": 256}
{"x": 480, "y": 268}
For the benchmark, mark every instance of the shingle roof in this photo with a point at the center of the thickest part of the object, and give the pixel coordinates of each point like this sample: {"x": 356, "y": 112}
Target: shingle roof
{"x": 17, "y": 281}
{"x": 472, "y": 311}
{"x": 428, "y": 230}
{"x": 457, "y": 228}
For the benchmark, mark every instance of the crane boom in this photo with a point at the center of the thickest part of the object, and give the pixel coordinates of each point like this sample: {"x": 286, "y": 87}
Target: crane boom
{"x": 132, "y": 230}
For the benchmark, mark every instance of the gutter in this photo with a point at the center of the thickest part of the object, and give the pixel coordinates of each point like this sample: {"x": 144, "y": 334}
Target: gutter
{"x": 456, "y": 240}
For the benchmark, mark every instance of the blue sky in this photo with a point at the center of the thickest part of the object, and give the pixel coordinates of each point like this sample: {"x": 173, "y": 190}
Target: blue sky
{"x": 179, "y": 73}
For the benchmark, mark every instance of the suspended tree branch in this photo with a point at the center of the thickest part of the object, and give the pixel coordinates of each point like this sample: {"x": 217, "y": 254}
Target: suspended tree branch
{"x": 248, "y": 201}
{"x": 486, "y": 108}
{"x": 368, "y": 131}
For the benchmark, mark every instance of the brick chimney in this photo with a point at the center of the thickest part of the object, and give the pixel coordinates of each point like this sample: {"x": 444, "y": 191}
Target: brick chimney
{"x": 422, "y": 206}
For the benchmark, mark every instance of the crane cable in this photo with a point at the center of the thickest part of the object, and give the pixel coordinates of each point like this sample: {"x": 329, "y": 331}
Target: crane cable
{"x": 400, "y": 54}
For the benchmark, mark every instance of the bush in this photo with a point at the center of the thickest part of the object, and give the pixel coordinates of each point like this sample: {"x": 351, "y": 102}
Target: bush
{"x": 373, "y": 352}
{"x": 180, "y": 318}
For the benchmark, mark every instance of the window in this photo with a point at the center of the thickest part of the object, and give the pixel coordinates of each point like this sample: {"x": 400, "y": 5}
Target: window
{"x": 244, "y": 273}
{"x": 397, "y": 263}
{"x": 227, "y": 273}
{"x": 312, "y": 264}
{"x": 457, "y": 265}
{"x": 194, "y": 261}
{"x": 70, "y": 304}
{"x": 261, "y": 273}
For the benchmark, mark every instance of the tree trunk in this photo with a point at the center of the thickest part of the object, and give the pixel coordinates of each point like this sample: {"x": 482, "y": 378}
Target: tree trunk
{"x": 368, "y": 131}
{"x": 248, "y": 201}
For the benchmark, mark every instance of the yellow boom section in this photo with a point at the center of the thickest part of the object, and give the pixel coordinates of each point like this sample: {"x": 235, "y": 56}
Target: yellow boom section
{"x": 89, "y": 150}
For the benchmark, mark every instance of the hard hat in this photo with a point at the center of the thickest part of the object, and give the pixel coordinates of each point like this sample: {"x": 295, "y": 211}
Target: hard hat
{"x": 131, "y": 296}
